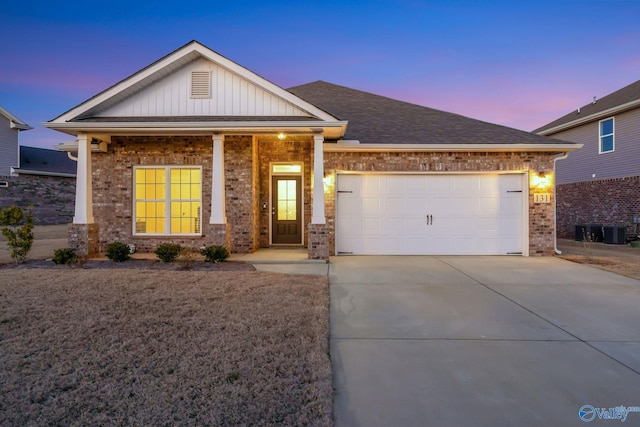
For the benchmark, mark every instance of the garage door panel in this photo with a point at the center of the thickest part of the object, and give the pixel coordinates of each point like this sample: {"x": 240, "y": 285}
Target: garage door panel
{"x": 464, "y": 187}
{"x": 350, "y": 226}
{"x": 372, "y": 246}
{"x": 351, "y": 206}
{"x": 508, "y": 225}
{"x": 458, "y": 205}
{"x": 488, "y": 205}
{"x": 431, "y": 214}
{"x": 372, "y": 187}
{"x": 371, "y": 205}
{"x": 490, "y": 224}
{"x": 416, "y": 205}
{"x": 394, "y": 205}
{"x": 511, "y": 206}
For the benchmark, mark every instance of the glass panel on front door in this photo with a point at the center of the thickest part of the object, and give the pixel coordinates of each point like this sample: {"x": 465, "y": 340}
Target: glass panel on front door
{"x": 286, "y": 199}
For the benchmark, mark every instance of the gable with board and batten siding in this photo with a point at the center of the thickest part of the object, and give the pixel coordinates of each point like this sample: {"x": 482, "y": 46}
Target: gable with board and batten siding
{"x": 229, "y": 95}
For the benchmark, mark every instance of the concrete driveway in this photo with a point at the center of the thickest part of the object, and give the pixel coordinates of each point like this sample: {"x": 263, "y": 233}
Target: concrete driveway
{"x": 482, "y": 341}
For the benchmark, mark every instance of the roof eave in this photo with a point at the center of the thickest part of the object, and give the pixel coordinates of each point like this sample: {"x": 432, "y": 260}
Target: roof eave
{"x": 20, "y": 126}
{"x": 331, "y": 130}
{"x": 20, "y": 171}
{"x": 590, "y": 118}
{"x": 15, "y": 123}
{"x": 351, "y": 147}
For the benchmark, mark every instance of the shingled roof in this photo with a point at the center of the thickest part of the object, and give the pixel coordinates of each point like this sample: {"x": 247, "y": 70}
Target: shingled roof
{"x": 40, "y": 161}
{"x": 375, "y": 119}
{"x": 626, "y": 98}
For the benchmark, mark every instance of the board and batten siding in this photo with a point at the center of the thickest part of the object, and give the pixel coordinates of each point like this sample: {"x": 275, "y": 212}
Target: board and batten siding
{"x": 582, "y": 164}
{"x": 231, "y": 95}
{"x": 8, "y": 146}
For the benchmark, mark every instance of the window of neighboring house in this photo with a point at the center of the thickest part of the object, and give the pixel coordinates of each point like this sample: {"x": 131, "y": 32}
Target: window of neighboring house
{"x": 607, "y": 141}
{"x": 167, "y": 200}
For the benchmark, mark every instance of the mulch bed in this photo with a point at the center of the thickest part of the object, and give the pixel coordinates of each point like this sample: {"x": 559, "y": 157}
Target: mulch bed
{"x": 137, "y": 264}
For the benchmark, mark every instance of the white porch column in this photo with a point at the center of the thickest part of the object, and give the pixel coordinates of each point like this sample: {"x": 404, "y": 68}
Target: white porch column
{"x": 317, "y": 214}
{"x": 218, "y": 208}
{"x": 84, "y": 191}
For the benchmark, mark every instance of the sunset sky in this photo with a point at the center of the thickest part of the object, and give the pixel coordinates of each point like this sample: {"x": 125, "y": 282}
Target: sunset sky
{"x": 516, "y": 63}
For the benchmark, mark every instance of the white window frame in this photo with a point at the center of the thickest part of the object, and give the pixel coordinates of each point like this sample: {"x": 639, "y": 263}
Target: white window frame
{"x": 167, "y": 200}
{"x": 612, "y": 135}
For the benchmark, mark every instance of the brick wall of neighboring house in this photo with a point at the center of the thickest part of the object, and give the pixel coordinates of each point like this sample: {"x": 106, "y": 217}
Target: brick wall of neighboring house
{"x": 52, "y": 198}
{"x": 607, "y": 201}
{"x": 293, "y": 149}
{"x": 541, "y": 226}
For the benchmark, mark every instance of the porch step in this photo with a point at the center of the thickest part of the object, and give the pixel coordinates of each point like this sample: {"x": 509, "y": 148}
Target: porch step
{"x": 280, "y": 255}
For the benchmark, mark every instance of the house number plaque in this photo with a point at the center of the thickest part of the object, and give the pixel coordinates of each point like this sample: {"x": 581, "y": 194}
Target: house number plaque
{"x": 542, "y": 198}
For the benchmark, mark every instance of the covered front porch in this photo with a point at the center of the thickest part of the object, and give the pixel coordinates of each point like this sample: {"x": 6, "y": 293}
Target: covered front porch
{"x": 244, "y": 192}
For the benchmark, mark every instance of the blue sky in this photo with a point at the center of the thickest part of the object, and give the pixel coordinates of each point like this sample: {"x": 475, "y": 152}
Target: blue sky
{"x": 516, "y": 63}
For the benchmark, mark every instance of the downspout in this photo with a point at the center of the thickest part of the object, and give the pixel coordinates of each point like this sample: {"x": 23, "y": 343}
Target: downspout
{"x": 557, "y": 157}
{"x": 75, "y": 159}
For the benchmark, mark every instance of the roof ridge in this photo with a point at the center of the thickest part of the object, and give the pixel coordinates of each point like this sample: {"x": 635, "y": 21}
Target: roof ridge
{"x": 626, "y": 95}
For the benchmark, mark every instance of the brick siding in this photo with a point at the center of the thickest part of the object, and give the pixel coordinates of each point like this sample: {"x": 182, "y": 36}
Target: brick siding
{"x": 541, "y": 226}
{"x": 247, "y": 186}
{"x": 113, "y": 180}
{"x": 607, "y": 201}
{"x": 240, "y": 186}
{"x": 294, "y": 149}
{"x": 52, "y": 198}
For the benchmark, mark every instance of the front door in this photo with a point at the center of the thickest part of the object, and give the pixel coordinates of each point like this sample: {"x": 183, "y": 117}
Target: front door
{"x": 286, "y": 210}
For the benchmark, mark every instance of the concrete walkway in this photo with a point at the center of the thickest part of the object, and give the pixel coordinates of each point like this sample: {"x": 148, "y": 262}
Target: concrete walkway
{"x": 482, "y": 341}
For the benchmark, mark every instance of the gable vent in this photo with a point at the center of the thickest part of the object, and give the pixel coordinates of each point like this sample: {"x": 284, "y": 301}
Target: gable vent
{"x": 200, "y": 84}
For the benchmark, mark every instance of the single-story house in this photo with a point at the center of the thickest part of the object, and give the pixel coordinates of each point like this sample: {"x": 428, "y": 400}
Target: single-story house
{"x": 198, "y": 150}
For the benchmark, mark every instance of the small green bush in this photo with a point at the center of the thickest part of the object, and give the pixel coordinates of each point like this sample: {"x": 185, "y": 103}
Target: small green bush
{"x": 215, "y": 253}
{"x": 18, "y": 230}
{"x": 118, "y": 252}
{"x": 65, "y": 256}
{"x": 168, "y": 252}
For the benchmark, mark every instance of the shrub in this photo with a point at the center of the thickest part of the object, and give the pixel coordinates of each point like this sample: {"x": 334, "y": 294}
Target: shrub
{"x": 65, "y": 256}
{"x": 168, "y": 252}
{"x": 118, "y": 251}
{"x": 215, "y": 253}
{"x": 186, "y": 259}
{"x": 18, "y": 230}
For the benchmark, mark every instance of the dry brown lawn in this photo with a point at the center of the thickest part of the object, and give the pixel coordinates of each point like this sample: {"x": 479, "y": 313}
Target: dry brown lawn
{"x": 625, "y": 266}
{"x": 152, "y": 348}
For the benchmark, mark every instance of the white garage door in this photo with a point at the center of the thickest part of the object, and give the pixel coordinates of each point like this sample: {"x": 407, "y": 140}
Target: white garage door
{"x": 429, "y": 214}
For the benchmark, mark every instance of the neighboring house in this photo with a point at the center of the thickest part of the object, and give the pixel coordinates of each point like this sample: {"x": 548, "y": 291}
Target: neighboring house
{"x": 197, "y": 150}
{"x": 600, "y": 184}
{"x": 44, "y": 181}
{"x": 10, "y": 128}
{"x": 34, "y": 177}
